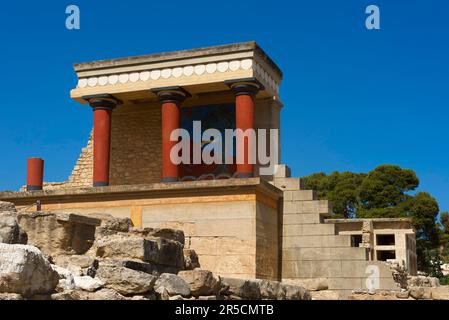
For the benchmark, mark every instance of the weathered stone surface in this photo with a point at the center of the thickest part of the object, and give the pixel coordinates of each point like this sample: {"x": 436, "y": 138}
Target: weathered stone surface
{"x": 157, "y": 250}
{"x": 87, "y": 283}
{"x": 376, "y": 296}
{"x": 171, "y": 284}
{"x": 165, "y": 233}
{"x": 296, "y": 293}
{"x": 423, "y": 281}
{"x": 247, "y": 289}
{"x": 271, "y": 290}
{"x": 10, "y": 296}
{"x": 325, "y": 295}
{"x": 125, "y": 281}
{"x": 104, "y": 294}
{"x": 403, "y": 294}
{"x": 314, "y": 284}
{"x": 10, "y": 231}
{"x": 66, "y": 279}
{"x": 420, "y": 292}
{"x": 190, "y": 259}
{"x": 147, "y": 267}
{"x": 59, "y": 233}
{"x": 201, "y": 282}
{"x": 7, "y": 206}
{"x": 25, "y": 271}
{"x": 66, "y": 295}
{"x": 440, "y": 293}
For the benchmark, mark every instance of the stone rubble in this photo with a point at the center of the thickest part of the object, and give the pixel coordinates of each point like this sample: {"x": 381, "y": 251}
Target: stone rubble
{"x": 66, "y": 256}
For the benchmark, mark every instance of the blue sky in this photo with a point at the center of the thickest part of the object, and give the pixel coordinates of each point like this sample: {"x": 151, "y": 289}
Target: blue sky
{"x": 354, "y": 98}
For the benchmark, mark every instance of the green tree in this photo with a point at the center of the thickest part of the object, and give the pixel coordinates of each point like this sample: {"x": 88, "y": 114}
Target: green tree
{"x": 339, "y": 188}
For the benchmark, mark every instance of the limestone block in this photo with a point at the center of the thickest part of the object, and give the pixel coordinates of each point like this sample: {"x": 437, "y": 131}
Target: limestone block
{"x": 7, "y": 206}
{"x": 172, "y": 285}
{"x": 246, "y": 289}
{"x": 305, "y": 254}
{"x": 312, "y": 284}
{"x": 310, "y": 218}
{"x": 87, "y": 283}
{"x": 125, "y": 281}
{"x": 301, "y": 195}
{"x": 305, "y": 269}
{"x": 308, "y": 229}
{"x": 419, "y": 293}
{"x": 314, "y": 206}
{"x": 323, "y": 241}
{"x": 59, "y": 233}
{"x": 201, "y": 282}
{"x": 289, "y": 184}
{"x": 10, "y": 231}
{"x": 24, "y": 270}
{"x": 290, "y": 207}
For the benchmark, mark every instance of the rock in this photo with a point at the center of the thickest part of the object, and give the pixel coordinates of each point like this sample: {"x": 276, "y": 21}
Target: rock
{"x": 423, "y": 281}
{"x": 419, "y": 293}
{"x": 104, "y": 294}
{"x": 247, "y": 289}
{"x": 208, "y": 298}
{"x": 79, "y": 265}
{"x": 376, "y": 296}
{"x": 157, "y": 250}
{"x": 201, "y": 282}
{"x": 172, "y": 284}
{"x": 313, "y": 284}
{"x": 66, "y": 295}
{"x": 87, "y": 283}
{"x": 190, "y": 260}
{"x": 168, "y": 234}
{"x": 25, "y": 271}
{"x": 296, "y": 293}
{"x": 177, "y": 297}
{"x": 271, "y": 290}
{"x": 403, "y": 294}
{"x": 66, "y": 279}
{"x": 440, "y": 293}
{"x": 125, "y": 281}
{"x": 10, "y": 231}
{"x": 325, "y": 295}
{"x": 59, "y": 233}
{"x": 10, "y": 296}
{"x": 7, "y": 206}
{"x": 147, "y": 267}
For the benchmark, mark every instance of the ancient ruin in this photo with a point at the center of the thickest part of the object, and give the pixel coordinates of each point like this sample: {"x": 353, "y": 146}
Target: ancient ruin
{"x": 130, "y": 224}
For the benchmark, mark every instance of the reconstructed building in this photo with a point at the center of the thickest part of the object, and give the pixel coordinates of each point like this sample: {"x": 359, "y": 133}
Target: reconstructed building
{"x": 240, "y": 222}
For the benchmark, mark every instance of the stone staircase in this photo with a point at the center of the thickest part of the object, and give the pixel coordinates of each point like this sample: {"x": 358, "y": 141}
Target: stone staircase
{"x": 314, "y": 249}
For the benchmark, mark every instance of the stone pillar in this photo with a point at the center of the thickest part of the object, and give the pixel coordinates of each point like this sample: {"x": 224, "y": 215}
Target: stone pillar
{"x": 245, "y": 91}
{"x": 171, "y": 99}
{"x": 35, "y": 174}
{"x": 102, "y": 106}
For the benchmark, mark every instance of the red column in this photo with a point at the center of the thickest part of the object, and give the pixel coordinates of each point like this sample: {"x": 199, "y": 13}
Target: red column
{"x": 171, "y": 99}
{"x": 35, "y": 174}
{"x": 245, "y": 91}
{"x": 102, "y": 106}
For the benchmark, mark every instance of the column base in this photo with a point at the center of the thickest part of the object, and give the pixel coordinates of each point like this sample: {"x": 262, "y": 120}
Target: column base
{"x": 170, "y": 179}
{"x": 244, "y": 175}
{"x": 34, "y": 188}
{"x": 100, "y": 184}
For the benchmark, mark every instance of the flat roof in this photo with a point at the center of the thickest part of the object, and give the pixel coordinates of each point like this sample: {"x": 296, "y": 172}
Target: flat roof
{"x": 176, "y": 55}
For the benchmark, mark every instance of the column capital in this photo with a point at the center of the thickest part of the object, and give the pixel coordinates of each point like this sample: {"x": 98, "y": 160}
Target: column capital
{"x": 245, "y": 86}
{"x": 173, "y": 94}
{"x": 102, "y": 101}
